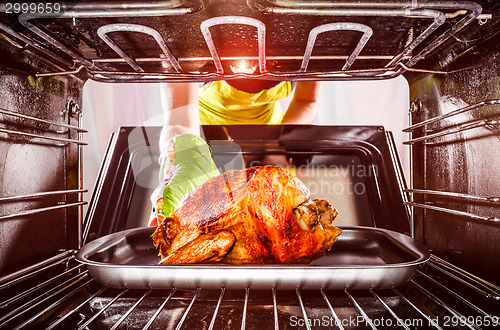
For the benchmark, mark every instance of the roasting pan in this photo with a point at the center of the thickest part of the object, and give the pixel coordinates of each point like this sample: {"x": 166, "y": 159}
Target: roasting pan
{"x": 362, "y": 258}
{"x": 119, "y": 251}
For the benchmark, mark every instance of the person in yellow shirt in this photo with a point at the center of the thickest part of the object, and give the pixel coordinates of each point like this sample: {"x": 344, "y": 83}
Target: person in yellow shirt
{"x": 185, "y": 157}
{"x": 243, "y": 101}
{"x": 250, "y": 101}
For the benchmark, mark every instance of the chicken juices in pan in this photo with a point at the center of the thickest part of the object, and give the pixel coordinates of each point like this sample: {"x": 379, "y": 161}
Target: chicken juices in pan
{"x": 251, "y": 216}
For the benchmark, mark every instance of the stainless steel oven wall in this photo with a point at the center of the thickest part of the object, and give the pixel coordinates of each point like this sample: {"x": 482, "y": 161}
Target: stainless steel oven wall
{"x": 39, "y": 171}
{"x": 458, "y": 155}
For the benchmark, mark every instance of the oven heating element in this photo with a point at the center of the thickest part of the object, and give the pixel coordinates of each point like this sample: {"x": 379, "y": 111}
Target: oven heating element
{"x": 397, "y": 64}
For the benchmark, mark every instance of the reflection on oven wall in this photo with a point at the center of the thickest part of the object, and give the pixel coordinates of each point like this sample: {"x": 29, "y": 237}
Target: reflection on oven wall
{"x": 110, "y": 106}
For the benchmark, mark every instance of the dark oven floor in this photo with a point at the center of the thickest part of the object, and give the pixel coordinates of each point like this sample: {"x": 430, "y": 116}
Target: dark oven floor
{"x": 59, "y": 294}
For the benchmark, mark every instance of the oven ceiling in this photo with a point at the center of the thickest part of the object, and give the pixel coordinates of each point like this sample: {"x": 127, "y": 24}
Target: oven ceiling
{"x": 196, "y": 40}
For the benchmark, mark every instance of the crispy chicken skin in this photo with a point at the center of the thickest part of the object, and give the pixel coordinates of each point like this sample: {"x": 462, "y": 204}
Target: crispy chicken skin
{"x": 251, "y": 216}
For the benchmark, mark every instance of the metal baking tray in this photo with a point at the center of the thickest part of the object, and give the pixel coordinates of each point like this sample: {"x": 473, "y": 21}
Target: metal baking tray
{"x": 362, "y": 258}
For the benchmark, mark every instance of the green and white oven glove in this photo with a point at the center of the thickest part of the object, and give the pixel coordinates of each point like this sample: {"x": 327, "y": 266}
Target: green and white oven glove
{"x": 185, "y": 163}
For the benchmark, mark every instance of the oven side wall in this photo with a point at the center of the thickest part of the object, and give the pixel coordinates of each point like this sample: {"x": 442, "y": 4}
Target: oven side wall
{"x": 463, "y": 162}
{"x": 33, "y": 163}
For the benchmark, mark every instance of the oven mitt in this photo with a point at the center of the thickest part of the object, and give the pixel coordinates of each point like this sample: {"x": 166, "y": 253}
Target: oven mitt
{"x": 185, "y": 163}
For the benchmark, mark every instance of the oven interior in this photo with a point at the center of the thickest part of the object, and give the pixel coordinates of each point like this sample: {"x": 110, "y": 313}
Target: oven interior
{"x": 447, "y": 50}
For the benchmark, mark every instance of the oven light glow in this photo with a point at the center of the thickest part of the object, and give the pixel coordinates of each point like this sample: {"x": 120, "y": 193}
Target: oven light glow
{"x": 243, "y": 66}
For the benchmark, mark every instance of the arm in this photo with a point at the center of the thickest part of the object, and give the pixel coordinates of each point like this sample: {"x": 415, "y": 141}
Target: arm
{"x": 185, "y": 160}
{"x": 180, "y": 109}
{"x": 304, "y": 104}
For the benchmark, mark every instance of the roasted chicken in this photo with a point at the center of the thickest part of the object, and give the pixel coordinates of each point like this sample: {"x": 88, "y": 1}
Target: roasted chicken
{"x": 252, "y": 216}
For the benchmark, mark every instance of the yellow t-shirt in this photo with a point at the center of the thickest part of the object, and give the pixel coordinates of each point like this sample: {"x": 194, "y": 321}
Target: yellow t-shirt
{"x": 222, "y": 104}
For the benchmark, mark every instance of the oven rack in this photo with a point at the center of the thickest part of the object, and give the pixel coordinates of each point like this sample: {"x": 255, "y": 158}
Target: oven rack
{"x": 440, "y": 294}
{"x": 45, "y": 122}
{"x": 431, "y": 134}
{"x": 172, "y": 66}
{"x": 436, "y": 127}
{"x": 32, "y": 125}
